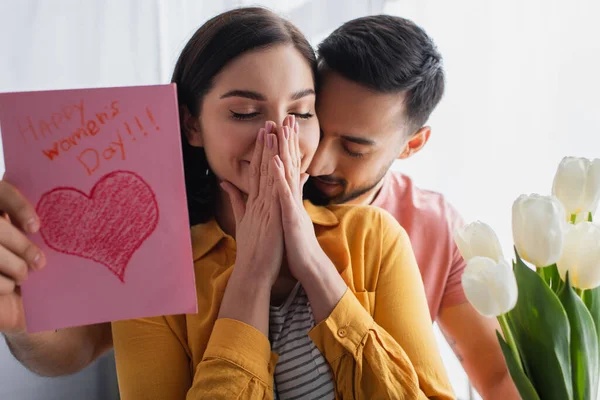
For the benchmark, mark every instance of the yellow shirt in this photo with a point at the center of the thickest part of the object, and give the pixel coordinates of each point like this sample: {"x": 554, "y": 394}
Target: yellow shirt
{"x": 378, "y": 340}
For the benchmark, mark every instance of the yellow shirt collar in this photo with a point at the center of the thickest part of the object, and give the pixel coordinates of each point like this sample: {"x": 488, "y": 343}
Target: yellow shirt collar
{"x": 206, "y": 236}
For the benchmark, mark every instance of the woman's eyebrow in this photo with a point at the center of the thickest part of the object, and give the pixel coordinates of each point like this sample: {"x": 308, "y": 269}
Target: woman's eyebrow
{"x": 248, "y": 94}
{"x": 303, "y": 93}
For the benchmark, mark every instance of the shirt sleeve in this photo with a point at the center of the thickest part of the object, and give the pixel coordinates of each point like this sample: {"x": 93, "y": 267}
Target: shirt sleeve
{"x": 453, "y": 293}
{"x": 153, "y": 362}
{"x": 392, "y": 354}
{"x": 152, "y": 359}
{"x": 237, "y": 364}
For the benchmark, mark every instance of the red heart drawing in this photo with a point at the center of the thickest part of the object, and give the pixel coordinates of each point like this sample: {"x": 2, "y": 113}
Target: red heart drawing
{"x": 108, "y": 226}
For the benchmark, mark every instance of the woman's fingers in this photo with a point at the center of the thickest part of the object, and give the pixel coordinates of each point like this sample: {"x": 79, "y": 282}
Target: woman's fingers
{"x": 283, "y": 189}
{"x": 237, "y": 201}
{"x": 285, "y": 155}
{"x": 271, "y": 149}
{"x": 296, "y": 145}
{"x": 274, "y": 206}
{"x": 254, "y": 179}
{"x": 303, "y": 179}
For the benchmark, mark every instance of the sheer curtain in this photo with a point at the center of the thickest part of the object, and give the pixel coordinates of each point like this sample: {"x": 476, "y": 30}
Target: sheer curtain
{"x": 522, "y": 86}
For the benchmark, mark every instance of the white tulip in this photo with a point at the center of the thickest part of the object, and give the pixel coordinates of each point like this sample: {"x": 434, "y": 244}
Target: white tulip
{"x": 581, "y": 255}
{"x": 490, "y": 286}
{"x": 577, "y": 185}
{"x": 478, "y": 239}
{"x": 538, "y": 224}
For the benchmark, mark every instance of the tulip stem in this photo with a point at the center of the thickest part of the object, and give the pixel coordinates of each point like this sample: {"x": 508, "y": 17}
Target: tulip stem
{"x": 508, "y": 336}
{"x": 542, "y": 273}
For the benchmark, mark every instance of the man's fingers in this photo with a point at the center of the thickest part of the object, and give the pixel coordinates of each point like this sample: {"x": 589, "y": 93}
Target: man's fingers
{"x": 237, "y": 201}
{"x": 12, "y": 267}
{"x": 7, "y": 286}
{"x": 20, "y": 211}
{"x": 12, "y": 318}
{"x": 20, "y": 246}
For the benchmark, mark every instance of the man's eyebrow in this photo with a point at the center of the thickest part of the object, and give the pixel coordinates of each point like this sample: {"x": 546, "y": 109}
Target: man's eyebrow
{"x": 358, "y": 140}
{"x": 248, "y": 94}
{"x": 303, "y": 93}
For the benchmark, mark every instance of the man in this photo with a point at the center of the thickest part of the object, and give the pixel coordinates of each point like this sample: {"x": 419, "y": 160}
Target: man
{"x": 381, "y": 77}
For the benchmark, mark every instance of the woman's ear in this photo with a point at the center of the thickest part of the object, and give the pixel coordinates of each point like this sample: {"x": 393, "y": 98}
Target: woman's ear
{"x": 191, "y": 127}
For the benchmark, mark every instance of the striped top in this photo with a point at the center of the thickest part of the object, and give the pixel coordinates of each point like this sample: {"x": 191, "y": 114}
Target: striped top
{"x": 301, "y": 371}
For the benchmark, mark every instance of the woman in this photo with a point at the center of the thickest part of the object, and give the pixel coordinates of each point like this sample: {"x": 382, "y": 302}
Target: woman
{"x": 336, "y": 290}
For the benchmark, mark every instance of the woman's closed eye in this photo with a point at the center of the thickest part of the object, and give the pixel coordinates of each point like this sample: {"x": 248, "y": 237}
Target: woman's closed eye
{"x": 303, "y": 116}
{"x": 244, "y": 116}
{"x": 248, "y": 116}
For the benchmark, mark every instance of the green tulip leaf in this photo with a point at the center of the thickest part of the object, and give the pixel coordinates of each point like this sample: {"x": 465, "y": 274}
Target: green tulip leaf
{"x": 591, "y": 298}
{"x": 552, "y": 278}
{"x": 522, "y": 382}
{"x": 541, "y": 329}
{"x": 584, "y": 344}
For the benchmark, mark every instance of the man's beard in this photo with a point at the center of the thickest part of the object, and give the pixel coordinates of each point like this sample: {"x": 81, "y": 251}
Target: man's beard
{"x": 315, "y": 196}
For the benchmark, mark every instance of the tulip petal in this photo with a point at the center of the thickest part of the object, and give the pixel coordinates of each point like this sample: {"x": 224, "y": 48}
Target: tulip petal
{"x": 462, "y": 243}
{"x": 581, "y": 255}
{"x": 569, "y": 183}
{"x": 478, "y": 239}
{"x": 592, "y": 188}
{"x": 489, "y": 286}
{"x": 538, "y": 225}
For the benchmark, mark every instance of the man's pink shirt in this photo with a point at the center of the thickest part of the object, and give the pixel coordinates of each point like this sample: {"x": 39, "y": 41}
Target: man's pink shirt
{"x": 430, "y": 222}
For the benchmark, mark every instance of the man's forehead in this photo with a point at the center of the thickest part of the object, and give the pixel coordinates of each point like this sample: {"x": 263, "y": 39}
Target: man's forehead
{"x": 349, "y": 108}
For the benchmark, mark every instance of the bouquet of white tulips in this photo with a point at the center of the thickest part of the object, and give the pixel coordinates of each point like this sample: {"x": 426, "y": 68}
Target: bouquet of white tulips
{"x": 549, "y": 310}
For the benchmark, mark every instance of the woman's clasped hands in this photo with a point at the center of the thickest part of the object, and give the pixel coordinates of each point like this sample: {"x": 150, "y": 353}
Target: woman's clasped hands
{"x": 272, "y": 221}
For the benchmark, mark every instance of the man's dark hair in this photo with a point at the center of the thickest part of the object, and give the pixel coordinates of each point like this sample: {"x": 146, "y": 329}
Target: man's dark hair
{"x": 389, "y": 55}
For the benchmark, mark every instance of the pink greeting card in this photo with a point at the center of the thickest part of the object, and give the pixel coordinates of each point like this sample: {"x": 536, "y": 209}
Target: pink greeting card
{"x": 103, "y": 168}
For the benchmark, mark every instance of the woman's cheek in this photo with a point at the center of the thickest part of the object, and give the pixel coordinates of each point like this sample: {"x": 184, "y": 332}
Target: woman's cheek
{"x": 309, "y": 141}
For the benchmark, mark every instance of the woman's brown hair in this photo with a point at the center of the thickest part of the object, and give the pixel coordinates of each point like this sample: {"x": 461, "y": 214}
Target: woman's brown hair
{"x": 214, "y": 45}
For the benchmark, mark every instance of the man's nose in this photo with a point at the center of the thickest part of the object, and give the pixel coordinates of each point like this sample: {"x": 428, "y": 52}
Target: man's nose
{"x": 324, "y": 160}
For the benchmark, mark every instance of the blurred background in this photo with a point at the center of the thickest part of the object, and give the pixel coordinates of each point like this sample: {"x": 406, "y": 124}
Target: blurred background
{"x": 522, "y": 92}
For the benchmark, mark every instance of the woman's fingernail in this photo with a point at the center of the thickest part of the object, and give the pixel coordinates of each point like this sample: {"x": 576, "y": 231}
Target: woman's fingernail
{"x": 32, "y": 225}
{"x": 270, "y": 141}
{"x": 268, "y": 126}
{"x": 261, "y": 134}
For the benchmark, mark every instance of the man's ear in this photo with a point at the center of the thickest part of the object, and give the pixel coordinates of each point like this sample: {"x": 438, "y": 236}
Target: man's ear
{"x": 191, "y": 127}
{"x": 415, "y": 143}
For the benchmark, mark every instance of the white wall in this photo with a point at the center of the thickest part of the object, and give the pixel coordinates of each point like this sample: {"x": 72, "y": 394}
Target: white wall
{"x": 522, "y": 91}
